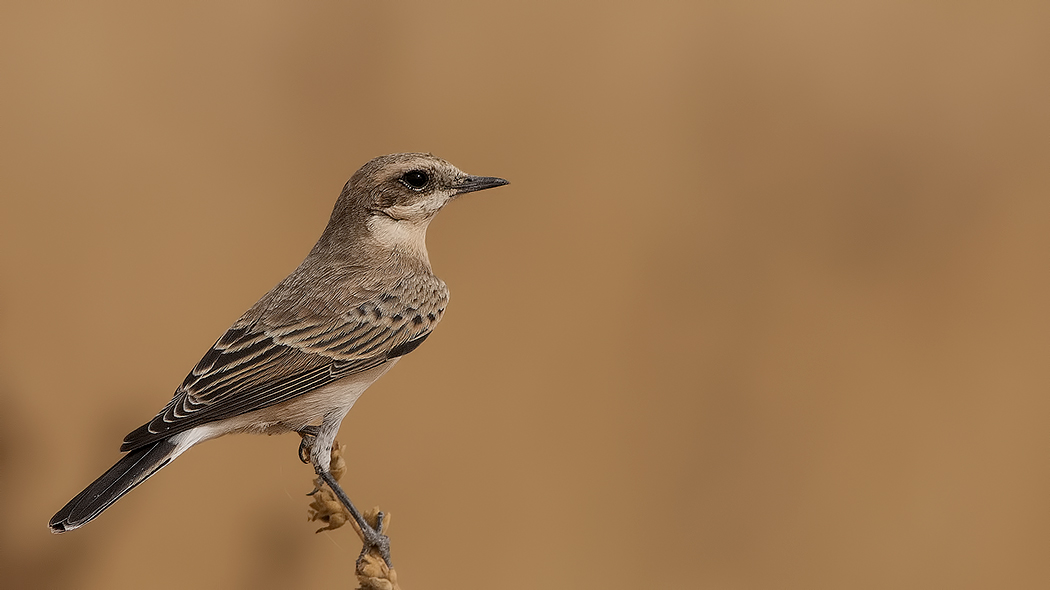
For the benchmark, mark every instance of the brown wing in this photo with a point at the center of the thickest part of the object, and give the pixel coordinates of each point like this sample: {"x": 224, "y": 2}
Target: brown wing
{"x": 254, "y": 366}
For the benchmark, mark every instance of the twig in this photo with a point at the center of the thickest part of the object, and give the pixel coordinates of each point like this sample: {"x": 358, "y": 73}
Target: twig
{"x": 372, "y": 572}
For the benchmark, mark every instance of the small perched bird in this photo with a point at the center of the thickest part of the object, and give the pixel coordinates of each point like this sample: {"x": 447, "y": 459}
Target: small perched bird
{"x": 301, "y": 356}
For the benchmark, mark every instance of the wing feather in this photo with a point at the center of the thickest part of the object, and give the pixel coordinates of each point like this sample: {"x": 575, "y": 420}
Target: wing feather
{"x": 255, "y": 364}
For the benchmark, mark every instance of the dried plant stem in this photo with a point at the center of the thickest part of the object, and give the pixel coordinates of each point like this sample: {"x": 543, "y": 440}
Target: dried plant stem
{"x": 372, "y": 571}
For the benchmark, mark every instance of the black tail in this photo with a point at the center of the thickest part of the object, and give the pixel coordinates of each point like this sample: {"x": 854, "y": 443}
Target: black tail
{"x": 133, "y": 469}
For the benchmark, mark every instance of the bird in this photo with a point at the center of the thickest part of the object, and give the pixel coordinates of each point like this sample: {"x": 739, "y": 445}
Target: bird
{"x": 298, "y": 359}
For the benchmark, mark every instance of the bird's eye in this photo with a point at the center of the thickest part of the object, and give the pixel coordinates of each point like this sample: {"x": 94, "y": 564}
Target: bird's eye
{"x": 415, "y": 179}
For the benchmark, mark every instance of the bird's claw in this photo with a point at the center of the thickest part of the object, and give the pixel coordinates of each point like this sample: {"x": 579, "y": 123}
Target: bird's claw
{"x": 371, "y": 538}
{"x": 309, "y": 433}
{"x": 374, "y": 539}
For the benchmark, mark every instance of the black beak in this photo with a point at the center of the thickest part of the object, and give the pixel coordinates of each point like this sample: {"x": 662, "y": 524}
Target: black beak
{"x": 470, "y": 184}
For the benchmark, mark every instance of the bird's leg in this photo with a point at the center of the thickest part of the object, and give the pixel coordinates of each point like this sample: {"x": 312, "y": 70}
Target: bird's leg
{"x": 372, "y": 537}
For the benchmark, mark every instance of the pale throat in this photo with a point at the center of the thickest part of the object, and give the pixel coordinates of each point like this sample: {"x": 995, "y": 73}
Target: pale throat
{"x": 405, "y": 236}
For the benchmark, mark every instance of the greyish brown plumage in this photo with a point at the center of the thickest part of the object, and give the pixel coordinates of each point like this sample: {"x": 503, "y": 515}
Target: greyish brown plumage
{"x": 303, "y": 354}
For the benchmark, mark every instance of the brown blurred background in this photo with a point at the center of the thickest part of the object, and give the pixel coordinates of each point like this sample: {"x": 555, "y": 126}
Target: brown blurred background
{"x": 764, "y": 307}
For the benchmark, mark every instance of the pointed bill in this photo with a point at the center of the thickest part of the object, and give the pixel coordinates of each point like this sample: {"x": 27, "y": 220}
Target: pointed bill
{"x": 470, "y": 184}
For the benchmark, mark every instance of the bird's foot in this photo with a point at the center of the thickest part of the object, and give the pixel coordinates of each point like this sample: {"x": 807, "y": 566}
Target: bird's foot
{"x": 371, "y": 538}
{"x": 374, "y": 539}
{"x": 309, "y": 434}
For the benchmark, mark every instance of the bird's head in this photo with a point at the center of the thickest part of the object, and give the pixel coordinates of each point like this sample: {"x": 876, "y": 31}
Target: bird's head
{"x": 397, "y": 196}
{"x": 413, "y": 187}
